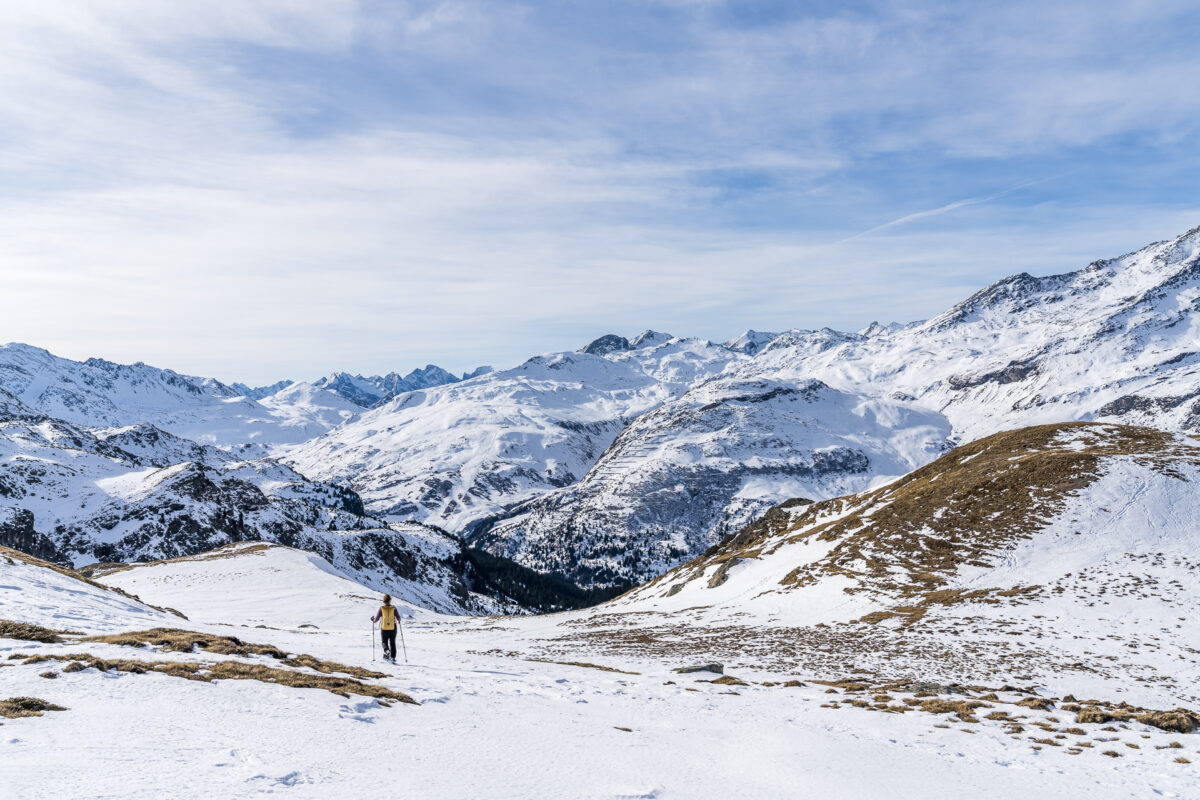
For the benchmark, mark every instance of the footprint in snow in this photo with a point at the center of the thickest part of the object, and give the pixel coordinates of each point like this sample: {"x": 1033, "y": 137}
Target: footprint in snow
{"x": 358, "y": 711}
{"x": 291, "y": 779}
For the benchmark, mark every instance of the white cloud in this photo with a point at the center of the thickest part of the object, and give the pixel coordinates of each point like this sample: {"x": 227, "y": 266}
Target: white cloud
{"x": 157, "y": 201}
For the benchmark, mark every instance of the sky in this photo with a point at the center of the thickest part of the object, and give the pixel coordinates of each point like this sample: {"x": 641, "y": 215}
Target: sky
{"x": 263, "y": 189}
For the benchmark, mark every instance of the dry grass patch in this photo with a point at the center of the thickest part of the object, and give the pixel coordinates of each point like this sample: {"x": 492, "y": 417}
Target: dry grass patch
{"x": 15, "y": 707}
{"x": 1180, "y": 720}
{"x": 177, "y": 640}
{"x": 1039, "y": 703}
{"x": 29, "y": 632}
{"x": 960, "y": 707}
{"x": 225, "y": 551}
{"x": 231, "y": 670}
{"x": 585, "y": 665}
{"x": 728, "y": 680}
{"x": 327, "y": 667}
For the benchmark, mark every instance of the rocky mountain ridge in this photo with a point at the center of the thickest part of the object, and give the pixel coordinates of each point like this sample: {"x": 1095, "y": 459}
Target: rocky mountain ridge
{"x": 78, "y": 495}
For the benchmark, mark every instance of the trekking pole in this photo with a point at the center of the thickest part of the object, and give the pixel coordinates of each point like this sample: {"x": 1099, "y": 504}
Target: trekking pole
{"x": 372, "y": 640}
{"x": 403, "y": 646}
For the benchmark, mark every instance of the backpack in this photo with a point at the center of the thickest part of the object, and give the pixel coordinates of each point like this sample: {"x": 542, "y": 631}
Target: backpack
{"x": 388, "y": 622}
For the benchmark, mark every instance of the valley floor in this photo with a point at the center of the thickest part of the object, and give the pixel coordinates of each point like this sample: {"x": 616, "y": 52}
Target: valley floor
{"x": 495, "y": 721}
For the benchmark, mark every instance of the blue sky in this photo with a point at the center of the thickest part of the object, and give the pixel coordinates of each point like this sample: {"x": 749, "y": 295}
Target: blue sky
{"x": 256, "y": 190}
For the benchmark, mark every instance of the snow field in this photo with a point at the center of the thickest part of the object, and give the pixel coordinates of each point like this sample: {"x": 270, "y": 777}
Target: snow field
{"x": 492, "y": 721}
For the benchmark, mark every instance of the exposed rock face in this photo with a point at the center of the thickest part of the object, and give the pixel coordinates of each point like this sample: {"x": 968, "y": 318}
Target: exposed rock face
{"x": 375, "y": 390}
{"x": 911, "y": 544}
{"x": 607, "y": 344}
{"x": 16, "y": 531}
{"x": 75, "y": 496}
{"x": 684, "y": 475}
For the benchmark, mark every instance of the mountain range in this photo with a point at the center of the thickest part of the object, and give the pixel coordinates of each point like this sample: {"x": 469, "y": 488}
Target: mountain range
{"x": 615, "y": 462}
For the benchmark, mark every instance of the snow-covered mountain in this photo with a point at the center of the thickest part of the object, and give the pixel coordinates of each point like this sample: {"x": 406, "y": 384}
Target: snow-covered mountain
{"x": 680, "y": 477}
{"x": 259, "y": 392}
{"x": 521, "y": 458}
{"x": 80, "y": 495}
{"x": 1118, "y": 340}
{"x": 632, "y": 454}
{"x": 100, "y": 393}
{"x": 374, "y": 390}
{"x": 459, "y": 453}
{"x": 1080, "y": 539}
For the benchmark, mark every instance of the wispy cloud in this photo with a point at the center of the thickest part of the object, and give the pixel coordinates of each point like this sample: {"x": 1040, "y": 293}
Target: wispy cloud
{"x": 262, "y": 188}
{"x": 945, "y": 209}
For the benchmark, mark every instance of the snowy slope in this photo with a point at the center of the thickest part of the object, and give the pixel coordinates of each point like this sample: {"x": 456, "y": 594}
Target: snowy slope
{"x": 680, "y": 477}
{"x": 79, "y": 495}
{"x": 257, "y": 583}
{"x": 456, "y": 454}
{"x": 513, "y": 707}
{"x": 306, "y": 405}
{"x": 100, "y": 393}
{"x": 1118, "y": 340}
{"x": 35, "y": 593}
{"x": 1079, "y": 539}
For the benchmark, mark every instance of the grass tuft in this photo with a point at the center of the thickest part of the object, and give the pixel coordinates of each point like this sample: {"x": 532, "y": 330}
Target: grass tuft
{"x": 232, "y": 670}
{"x": 15, "y": 707}
{"x": 29, "y": 632}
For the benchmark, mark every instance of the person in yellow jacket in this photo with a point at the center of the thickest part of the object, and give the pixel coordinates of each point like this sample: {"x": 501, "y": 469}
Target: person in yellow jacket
{"x": 386, "y": 617}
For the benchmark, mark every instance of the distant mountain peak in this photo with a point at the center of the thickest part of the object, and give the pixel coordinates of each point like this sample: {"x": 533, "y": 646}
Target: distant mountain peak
{"x": 373, "y": 391}
{"x": 609, "y": 343}
{"x": 259, "y": 392}
{"x": 751, "y": 342}
{"x": 475, "y": 373}
{"x": 880, "y": 329}
{"x": 650, "y": 338}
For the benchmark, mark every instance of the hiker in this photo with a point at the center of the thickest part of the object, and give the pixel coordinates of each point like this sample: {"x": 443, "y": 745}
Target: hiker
{"x": 386, "y": 617}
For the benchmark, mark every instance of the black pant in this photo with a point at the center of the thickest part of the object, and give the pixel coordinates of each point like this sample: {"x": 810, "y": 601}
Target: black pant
{"x": 389, "y": 642}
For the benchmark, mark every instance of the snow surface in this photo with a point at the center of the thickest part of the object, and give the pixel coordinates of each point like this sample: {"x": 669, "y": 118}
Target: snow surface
{"x": 491, "y": 721}
{"x": 1113, "y": 573}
